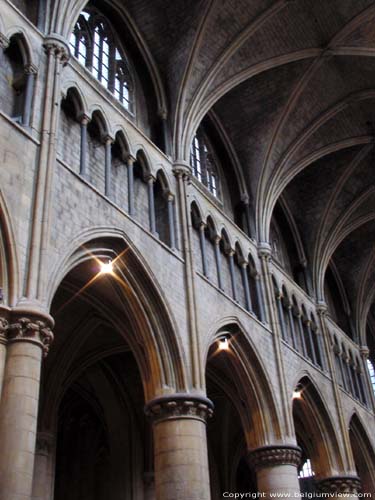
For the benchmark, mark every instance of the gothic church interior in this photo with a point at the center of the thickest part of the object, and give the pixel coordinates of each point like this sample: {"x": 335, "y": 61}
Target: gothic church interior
{"x": 187, "y": 249}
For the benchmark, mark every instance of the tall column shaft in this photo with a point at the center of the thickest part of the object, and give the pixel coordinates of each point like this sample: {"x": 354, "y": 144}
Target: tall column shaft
{"x": 245, "y": 281}
{"x": 218, "y": 262}
{"x": 4, "y": 315}
{"x": 27, "y": 340}
{"x": 202, "y": 240}
{"x": 83, "y": 150}
{"x": 130, "y": 165}
{"x": 30, "y": 81}
{"x": 171, "y": 222}
{"x": 151, "y": 204}
{"x": 232, "y": 275}
{"x": 108, "y": 166}
{"x": 180, "y": 444}
{"x": 44, "y": 467}
{"x": 276, "y": 470}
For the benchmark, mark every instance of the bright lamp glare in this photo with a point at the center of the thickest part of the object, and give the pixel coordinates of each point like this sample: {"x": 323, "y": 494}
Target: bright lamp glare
{"x": 223, "y": 344}
{"x": 106, "y": 267}
{"x": 297, "y": 394}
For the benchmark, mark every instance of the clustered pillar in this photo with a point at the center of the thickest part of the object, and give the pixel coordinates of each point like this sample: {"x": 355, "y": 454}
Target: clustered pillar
{"x": 28, "y": 339}
{"x": 180, "y": 446}
{"x": 276, "y": 469}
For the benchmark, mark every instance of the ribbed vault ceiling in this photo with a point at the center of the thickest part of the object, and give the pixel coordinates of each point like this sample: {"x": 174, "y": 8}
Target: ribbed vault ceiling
{"x": 293, "y": 84}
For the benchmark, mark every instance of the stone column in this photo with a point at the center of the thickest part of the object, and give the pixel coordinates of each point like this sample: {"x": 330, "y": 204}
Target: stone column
{"x": 202, "y": 239}
{"x": 246, "y": 204}
{"x": 281, "y": 316}
{"x": 4, "y": 316}
{"x": 151, "y": 203}
{"x": 30, "y": 71}
{"x": 276, "y": 469}
{"x": 245, "y": 281}
{"x": 44, "y": 466}
{"x": 311, "y": 341}
{"x": 337, "y": 485}
{"x": 292, "y": 329}
{"x": 130, "y": 165}
{"x": 258, "y": 289}
{"x": 180, "y": 446}
{"x": 302, "y": 334}
{"x": 108, "y": 141}
{"x": 218, "y": 261}
{"x": 171, "y": 222}
{"x": 29, "y": 339}
{"x": 232, "y": 274}
{"x": 84, "y": 121}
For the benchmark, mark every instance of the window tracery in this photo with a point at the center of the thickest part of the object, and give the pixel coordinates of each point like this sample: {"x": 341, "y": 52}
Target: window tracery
{"x": 203, "y": 163}
{"x": 94, "y": 45}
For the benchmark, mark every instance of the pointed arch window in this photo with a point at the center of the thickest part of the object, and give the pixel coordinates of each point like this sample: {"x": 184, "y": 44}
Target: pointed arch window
{"x": 94, "y": 44}
{"x": 371, "y": 370}
{"x": 204, "y": 164}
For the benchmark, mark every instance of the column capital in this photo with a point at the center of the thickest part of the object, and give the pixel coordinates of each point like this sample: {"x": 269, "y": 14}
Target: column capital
{"x": 264, "y": 250}
{"x": 273, "y": 455}
{"x": 181, "y": 168}
{"x": 4, "y": 323}
{"x": 30, "y": 329}
{"x": 107, "y": 139}
{"x": 130, "y": 160}
{"x": 84, "y": 119}
{"x": 365, "y": 351}
{"x": 56, "y": 45}
{"x": 339, "y": 484}
{"x": 4, "y": 41}
{"x": 179, "y": 406}
{"x": 30, "y": 69}
{"x": 149, "y": 178}
{"x": 321, "y": 308}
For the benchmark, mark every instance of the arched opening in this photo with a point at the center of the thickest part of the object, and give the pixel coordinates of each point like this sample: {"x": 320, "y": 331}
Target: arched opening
{"x": 141, "y": 201}
{"x": 96, "y": 131}
{"x": 245, "y": 417}
{"x": 109, "y": 357}
{"x": 162, "y": 216}
{"x": 17, "y": 81}
{"x": 363, "y": 454}
{"x": 119, "y": 172}
{"x": 69, "y": 130}
{"x": 315, "y": 435}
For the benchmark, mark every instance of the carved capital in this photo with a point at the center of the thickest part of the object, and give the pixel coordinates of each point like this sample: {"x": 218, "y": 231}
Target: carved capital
{"x": 339, "y": 484}
{"x": 179, "y": 406}
{"x": 182, "y": 169}
{"x": 57, "y": 46}
{"x": 270, "y": 456}
{"x": 30, "y": 69}
{"x": 365, "y": 351}
{"x": 321, "y": 308}
{"x": 31, "y": 330}
{"x": 265, "y": 251}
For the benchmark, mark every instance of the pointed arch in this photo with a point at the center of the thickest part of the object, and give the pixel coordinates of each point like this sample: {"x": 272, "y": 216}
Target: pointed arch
{"x": 315, "y": 430}
{"x": 244, "y": 379}
{"x": 363, "y": 453}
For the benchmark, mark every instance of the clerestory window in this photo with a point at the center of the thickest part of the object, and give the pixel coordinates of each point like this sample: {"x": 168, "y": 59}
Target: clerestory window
{"x": 93, "y": 43}
{"x": 203, "y": 163}
{"x": 371, "y": 370}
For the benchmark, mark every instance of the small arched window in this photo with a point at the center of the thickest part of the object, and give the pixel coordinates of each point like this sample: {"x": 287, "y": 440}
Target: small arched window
{"x": 94, "y": 44}
{"x": 203, "y": 163}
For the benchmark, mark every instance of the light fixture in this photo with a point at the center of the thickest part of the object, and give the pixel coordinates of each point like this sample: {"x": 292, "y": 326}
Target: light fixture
{"x": 106, "y": 267}
{"x": 297, "y": 393}
{"x": 224, "y": 343}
